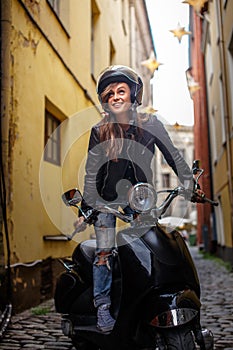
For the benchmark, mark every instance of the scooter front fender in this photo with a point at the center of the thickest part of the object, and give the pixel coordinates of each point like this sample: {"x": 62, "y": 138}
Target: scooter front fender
{"x": 176, "y": 309}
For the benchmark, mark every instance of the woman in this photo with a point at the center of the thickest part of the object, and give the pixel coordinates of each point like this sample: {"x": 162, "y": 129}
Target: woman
{"x": 121, "y": 148}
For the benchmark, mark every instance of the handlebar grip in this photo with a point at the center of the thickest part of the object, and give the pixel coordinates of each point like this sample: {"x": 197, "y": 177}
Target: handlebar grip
{"x": 211, "y": 202}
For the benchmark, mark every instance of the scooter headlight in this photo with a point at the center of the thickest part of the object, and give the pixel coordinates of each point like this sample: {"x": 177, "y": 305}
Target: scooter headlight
{"x": 142, "y": 197}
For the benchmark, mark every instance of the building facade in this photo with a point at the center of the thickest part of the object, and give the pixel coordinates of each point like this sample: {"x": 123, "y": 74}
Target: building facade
{"x": 212, "y": 55}
{"x": 182, "y": 137}
{"x": 201, "y": 137}
{"x": 52, "y": 52}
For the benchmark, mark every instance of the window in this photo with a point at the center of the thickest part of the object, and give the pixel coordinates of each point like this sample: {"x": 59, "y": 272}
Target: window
{"x": 230, "y": 60}
{"x": 209, "y": 59}
{"x": 213, "y": 131}
{"x": 163, "y": 160}
{"x": 222, "y": 109}
{"x": 55, "y": 5}
{"x": 112, "y": 53}
{"x": 123, "y": 10}
{"x": 225, "y": 4}
{"x": 220, "y": 223}
{"x": 61, "y": 9}
{"x": 52, "y": 139}
{"x": 217, "y": 22}
{"x": 166, "y": 180}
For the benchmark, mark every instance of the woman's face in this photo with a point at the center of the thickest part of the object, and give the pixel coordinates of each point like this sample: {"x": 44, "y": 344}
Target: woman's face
{"x": 119, "y": 100}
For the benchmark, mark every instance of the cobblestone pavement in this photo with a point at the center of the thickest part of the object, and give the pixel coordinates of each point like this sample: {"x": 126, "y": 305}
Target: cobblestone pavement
{"x": 32, "y": 332}
{"x": 217, "y": 300}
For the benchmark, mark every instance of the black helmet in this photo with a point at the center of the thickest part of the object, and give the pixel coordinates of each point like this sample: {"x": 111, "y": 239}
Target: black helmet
{"x": 119, "y": 74}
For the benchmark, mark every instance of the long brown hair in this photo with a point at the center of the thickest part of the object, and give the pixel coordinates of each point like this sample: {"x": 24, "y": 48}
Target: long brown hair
{"x": 110, "y": 130}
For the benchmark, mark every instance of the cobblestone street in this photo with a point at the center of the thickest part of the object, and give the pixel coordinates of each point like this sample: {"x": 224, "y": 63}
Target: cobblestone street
{"x": 31, "y": 331}
{"x": 216, "y": 297}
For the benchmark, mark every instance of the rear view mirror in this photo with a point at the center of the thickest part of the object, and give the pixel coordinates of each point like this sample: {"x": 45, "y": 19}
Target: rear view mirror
{"x": 72, "y": 197}
{"x": 196, "y": 166}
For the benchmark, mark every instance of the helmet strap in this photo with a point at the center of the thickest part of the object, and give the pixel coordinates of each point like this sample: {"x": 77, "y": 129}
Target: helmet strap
{"x": 134, "y": 113}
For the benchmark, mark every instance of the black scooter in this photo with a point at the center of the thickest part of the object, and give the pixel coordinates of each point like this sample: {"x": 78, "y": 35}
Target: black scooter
{"x": 155, "y": 290}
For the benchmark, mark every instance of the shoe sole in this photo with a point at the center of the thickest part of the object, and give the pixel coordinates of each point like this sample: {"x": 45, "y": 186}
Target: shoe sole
{"x": 104, "y": 330}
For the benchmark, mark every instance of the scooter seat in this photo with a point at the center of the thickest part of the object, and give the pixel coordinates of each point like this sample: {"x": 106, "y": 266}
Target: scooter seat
{"x": 86, "y": 249}
{"x": 83, "y": 257}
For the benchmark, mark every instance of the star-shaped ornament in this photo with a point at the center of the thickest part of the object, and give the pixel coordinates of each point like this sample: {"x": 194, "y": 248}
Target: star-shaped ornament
{"x": 149, "y": 110}
{"x": 179, "y": 32}
{"x": 176, "y": 126}
{"x": 151, "y": 63}
{"x": 196, "y": 4}
{"x": 193, "y": 85}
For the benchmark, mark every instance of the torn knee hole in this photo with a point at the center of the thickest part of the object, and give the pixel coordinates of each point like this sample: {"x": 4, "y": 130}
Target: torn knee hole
{"x": 103, "y": 258}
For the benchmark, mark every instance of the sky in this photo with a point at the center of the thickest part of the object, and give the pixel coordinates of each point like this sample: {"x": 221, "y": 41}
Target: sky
{"x": 171, "y": 95}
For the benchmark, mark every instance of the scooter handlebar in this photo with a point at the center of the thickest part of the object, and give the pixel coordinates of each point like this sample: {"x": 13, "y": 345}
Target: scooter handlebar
{"x": 215, "y": 203}
{"x": 204, "y": 199}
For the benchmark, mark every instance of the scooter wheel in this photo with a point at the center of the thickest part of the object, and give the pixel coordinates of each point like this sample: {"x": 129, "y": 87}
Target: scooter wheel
{"x": 179, "y": 339}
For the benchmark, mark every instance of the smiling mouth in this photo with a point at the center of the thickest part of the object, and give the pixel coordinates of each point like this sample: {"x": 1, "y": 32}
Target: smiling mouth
{"x": 119, "y": 104}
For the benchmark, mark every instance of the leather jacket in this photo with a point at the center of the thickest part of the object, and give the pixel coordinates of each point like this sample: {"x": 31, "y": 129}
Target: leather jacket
{"x": 107, "y": 180}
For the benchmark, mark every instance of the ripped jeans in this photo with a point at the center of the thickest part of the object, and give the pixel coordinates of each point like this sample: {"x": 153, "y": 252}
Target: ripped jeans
{"x": 102, "y": 268}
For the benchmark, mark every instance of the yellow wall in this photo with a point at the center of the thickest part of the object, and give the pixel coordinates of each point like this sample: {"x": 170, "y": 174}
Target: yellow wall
{"x": 220, "y": 112}
{"x": 37, "y": 75}
{"x": 49, "y": 64}
{"x": 50, "y": 68}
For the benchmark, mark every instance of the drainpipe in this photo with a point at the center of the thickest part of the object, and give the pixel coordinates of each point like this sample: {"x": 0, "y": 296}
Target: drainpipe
{"x": 6, "y": 6}
{"x": 5, "y": 77}
{"x": 226, "y": 108}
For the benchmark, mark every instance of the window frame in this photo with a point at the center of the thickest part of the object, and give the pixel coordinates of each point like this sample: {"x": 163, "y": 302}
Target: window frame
{"x": 52, "y": 140}
{"x": 58, "y": 9}
{"x": 166, "y": 180}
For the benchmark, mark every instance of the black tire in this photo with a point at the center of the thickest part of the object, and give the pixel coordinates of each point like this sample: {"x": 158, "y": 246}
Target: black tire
{"x": 179, "y": 339}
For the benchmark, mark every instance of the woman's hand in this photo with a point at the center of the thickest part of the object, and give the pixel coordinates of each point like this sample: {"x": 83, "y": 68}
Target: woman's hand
{"x": 199, "y": 196}
{"x": 80, "y": 225}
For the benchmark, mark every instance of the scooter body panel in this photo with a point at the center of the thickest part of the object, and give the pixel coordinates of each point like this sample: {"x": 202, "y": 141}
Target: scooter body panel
{"x": 156, "y": 259}
{"x": 149, "y": 264}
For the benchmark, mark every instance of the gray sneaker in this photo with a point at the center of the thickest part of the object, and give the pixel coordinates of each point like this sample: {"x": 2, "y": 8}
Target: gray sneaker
{"x": 105, "y": 322}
